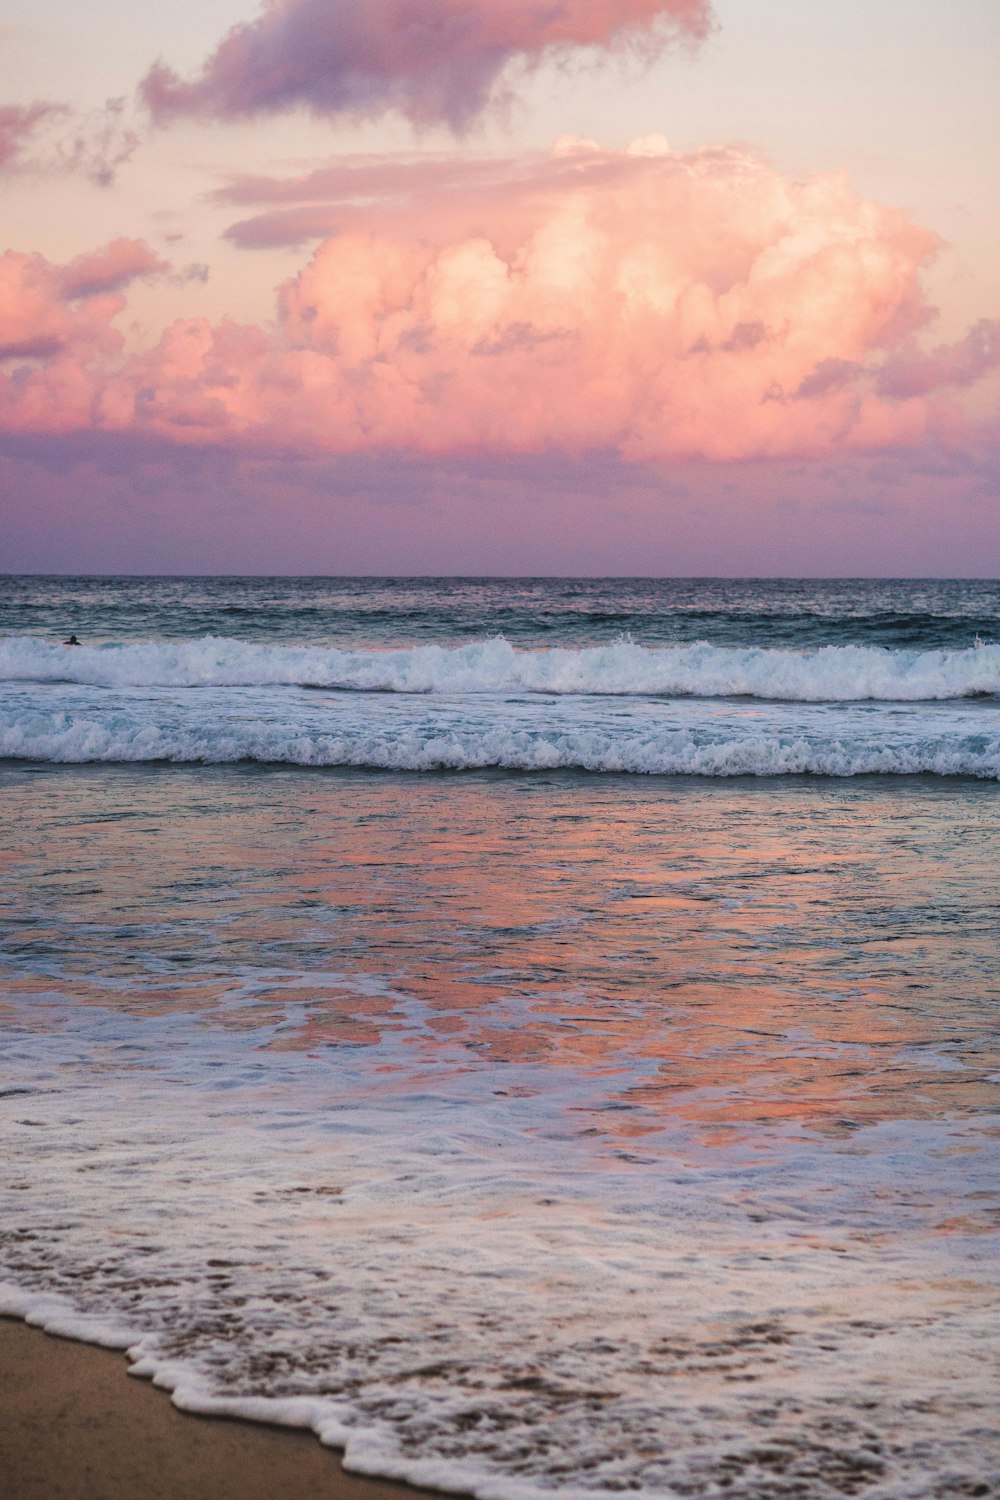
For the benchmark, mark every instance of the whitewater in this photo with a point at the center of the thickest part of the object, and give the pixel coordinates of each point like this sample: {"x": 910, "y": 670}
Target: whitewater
{"x": 622, "y": 669}
{"x": 621, "y": 707}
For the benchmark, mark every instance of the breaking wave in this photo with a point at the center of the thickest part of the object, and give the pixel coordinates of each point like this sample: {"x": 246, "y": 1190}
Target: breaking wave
{"x": 735, "y": 750}
{"x": 624, "y": 668}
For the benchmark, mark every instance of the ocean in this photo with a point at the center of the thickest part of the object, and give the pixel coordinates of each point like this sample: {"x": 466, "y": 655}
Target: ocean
{"x": 539, "y": 1034}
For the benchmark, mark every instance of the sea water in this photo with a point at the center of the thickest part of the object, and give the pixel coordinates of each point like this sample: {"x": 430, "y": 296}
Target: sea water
{"x": 542, "y": 1035}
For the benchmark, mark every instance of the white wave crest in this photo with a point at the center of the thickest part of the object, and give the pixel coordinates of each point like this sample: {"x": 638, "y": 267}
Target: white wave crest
{"x": 429, "y": 746}
{"x": 624, "y": 668}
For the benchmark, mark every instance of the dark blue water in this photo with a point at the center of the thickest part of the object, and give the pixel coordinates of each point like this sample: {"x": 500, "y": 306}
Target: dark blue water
{"x": 897, "y": 614}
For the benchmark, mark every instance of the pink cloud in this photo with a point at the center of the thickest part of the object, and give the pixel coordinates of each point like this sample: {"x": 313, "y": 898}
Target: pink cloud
{"x": 657, "y": 306}
{"x": 915, "y": 372}
{"x": 60, "y": 319}
{"x": 40, "y": 315}
{"x": 423, "y": 193}
{"x": 286, "y": 226}
{"x": 111, "y": 268}
{"x": 432, "y": 60}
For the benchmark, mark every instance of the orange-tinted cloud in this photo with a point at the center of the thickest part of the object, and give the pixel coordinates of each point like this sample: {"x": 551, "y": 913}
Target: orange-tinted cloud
{"x": 431, "y": 60}
{"x": 660, "y": 306}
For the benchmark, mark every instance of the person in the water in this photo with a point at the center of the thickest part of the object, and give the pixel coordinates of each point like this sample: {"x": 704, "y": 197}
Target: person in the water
{"x": 72, "y": 641}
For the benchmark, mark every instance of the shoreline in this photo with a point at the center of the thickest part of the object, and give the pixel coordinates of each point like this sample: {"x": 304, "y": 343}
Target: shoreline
{"x": 75, "y": 1426}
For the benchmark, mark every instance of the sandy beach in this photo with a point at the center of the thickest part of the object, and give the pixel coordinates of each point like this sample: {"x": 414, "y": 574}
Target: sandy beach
{"x": 73, "y": 1426}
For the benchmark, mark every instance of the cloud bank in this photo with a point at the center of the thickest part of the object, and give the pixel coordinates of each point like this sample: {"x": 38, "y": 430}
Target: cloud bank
{"x": 657, "y": 306}
{"x": 433, "y": 61}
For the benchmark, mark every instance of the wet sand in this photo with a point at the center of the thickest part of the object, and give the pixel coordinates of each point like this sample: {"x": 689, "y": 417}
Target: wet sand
{"x": 74, "y": 1426}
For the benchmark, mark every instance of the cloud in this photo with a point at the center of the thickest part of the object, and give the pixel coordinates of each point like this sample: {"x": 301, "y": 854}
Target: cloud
{"x": 18, "y": 123}
{"x": 98, "y": 142}
{"x": 422, "y": 192}
{"x": 130, "y": 504}
{"x": 47, "y": 138}
{"x": 403, "y": 177}
{"x": 41, "y": 315}
{"x": 914, "y": 372}
{"x": 434, "y": 61}
{"x": 110, "y": 269}
{"x": 59, "y": 320}
{"x": 287, "y": 226}
{"x": 657, "y": 306}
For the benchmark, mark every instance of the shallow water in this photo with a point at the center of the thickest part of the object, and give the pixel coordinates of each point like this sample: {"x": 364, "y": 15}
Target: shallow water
{"x": 523, "y": 1133}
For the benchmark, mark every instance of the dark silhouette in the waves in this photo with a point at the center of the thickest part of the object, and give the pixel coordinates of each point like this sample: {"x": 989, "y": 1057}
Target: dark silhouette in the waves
{"x": 72, "y": 641}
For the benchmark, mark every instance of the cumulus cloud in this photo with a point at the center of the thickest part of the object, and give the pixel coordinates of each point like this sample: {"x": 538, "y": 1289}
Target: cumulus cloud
{"x": 433, "y": 61}
{"x": 44, "y": 138}
{"x": 663, "y": 307}
{"x": 57, "y": 334}
{"x": 41, "y": 317}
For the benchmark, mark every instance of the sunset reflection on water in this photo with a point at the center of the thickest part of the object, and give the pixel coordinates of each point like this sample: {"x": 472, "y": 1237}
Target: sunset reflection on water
{"x": 646, "y": 1123}
{"x": 713, "y": 954}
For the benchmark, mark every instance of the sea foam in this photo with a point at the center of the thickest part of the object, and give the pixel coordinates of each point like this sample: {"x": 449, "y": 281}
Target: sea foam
{"x": 623, "y": 668}
{"x": 514, "y": 737}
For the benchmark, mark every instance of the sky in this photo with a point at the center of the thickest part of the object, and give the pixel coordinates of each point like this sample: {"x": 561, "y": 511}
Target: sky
{"x": 658, "y": 287}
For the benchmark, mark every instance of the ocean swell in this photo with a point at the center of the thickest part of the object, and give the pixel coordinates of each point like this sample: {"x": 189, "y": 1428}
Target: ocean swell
{"x": 428, "y": 745}
{"x": 624, "y": 668}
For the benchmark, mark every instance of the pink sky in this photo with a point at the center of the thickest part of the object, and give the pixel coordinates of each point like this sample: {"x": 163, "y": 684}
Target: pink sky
{"x": 444, "y": 345}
